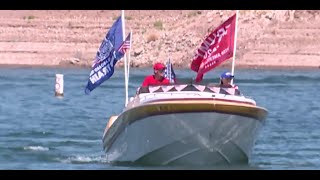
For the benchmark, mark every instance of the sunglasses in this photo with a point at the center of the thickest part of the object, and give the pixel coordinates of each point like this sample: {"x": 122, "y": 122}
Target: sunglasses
{"x": 228, "y": 79}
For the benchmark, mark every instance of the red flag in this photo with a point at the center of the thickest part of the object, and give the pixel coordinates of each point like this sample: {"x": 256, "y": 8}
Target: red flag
{"x": 215, "y": 49}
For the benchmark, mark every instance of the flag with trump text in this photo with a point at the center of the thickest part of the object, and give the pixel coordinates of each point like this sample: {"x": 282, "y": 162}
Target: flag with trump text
{"x": 106, "y": 57}
{"x": 215, "y": 49}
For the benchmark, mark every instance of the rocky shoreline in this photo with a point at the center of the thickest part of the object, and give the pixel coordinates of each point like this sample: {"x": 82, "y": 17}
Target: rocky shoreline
{"x": 225, "y": 66}
{"x": 70, "y": 38}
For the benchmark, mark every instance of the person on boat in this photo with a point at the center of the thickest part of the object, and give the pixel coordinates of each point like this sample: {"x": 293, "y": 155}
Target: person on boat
{"x": 158, "y": 77}
{"x": 225, "y": 82}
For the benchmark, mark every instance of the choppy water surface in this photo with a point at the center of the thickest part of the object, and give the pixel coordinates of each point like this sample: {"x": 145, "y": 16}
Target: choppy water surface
{"x": 40, "y": 131}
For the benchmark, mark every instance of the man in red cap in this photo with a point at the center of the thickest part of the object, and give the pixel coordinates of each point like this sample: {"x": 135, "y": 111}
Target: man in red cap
{"x": 158, "y": 77}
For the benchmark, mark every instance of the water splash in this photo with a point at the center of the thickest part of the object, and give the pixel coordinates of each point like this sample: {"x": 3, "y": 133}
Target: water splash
{"x": 36, "y": 148}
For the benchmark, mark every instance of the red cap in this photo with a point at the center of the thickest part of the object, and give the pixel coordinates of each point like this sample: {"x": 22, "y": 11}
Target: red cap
{"x": 158, "y": 66}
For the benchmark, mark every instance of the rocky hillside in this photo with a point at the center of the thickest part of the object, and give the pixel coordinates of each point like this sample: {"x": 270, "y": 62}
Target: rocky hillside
{"x": 265, "y": 38}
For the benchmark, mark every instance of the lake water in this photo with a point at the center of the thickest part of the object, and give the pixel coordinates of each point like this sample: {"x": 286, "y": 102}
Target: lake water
{"x": 40, "y": 131}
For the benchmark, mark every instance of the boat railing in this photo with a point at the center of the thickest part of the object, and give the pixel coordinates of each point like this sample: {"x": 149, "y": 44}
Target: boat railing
{"x": 189, "y": 87}
{"x": 182, "y": 91}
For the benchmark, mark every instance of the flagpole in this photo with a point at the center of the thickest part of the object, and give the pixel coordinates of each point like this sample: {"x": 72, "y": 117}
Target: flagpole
{"x": 234, "y": 45}
{"x": 129, "y": 55}
{"x": 168, "y": 69}
{"x": 125, "y": 58}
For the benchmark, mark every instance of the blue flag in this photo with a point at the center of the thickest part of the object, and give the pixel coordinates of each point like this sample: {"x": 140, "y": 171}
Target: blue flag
{"x": 107, "y": 56}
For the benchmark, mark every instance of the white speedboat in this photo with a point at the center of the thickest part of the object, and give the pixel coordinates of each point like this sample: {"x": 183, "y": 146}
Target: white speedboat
{"x": 184, "y": 125}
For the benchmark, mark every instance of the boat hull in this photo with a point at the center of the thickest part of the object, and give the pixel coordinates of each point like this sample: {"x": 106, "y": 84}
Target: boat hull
{"x": 181, "y": 138}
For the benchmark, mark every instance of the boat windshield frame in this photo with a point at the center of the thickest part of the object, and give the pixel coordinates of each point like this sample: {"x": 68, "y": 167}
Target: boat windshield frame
{"x": 189, "y": 87}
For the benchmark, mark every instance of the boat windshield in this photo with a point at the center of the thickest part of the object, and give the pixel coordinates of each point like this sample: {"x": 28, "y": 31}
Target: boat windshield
{"x": 188, "y": 87}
